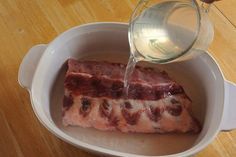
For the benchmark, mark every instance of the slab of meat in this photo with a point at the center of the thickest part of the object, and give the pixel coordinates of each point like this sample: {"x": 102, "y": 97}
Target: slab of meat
{"x": 95, "y": 97}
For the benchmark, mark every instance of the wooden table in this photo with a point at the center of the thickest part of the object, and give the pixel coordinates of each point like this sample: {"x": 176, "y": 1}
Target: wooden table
{"x": 24, "y": 23}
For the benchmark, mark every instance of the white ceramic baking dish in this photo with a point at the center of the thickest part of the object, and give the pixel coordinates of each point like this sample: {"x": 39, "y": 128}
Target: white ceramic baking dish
{"x": 42, "y": 73}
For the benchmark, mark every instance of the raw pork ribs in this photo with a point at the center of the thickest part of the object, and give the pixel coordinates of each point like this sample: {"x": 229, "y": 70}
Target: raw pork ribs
{"x": 95, "y": 97}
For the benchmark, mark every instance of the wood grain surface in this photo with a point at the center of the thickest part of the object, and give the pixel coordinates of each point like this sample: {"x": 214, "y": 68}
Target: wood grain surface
{"x": 24, "y": 23}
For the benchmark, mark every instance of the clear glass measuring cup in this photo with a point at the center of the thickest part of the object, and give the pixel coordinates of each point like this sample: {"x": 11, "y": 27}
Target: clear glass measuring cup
{"x": 163, "y": 31}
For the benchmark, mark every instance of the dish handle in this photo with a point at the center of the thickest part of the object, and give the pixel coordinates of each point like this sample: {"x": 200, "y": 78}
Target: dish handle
{"x": 229, "y": 117}
{"x": 29, "y": 65}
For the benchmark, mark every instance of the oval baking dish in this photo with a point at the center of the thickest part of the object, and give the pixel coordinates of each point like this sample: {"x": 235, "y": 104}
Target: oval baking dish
{"x": 42, "y": 73}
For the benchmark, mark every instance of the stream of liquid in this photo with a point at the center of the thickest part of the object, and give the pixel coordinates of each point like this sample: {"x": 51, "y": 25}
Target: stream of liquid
{"x": 128, "y": 73}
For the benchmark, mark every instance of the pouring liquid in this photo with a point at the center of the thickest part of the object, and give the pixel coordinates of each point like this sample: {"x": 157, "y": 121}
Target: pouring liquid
{"x": 146, "y": 45}
{"x": 154, "y": 39}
